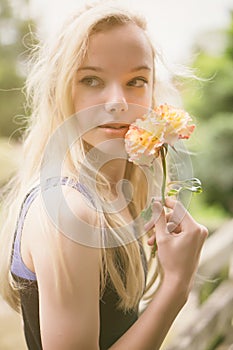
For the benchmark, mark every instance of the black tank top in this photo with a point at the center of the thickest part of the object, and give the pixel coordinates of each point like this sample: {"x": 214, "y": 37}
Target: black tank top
{"x": 113, "y": 321}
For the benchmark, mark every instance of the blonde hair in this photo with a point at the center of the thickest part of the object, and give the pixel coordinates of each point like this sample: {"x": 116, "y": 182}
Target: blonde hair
{"x": 49, "y": 97}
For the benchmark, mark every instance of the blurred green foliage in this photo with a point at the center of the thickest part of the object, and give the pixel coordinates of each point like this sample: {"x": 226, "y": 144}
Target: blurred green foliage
{"x": 210, "y": 285}
{"x": 9, "y": 159}
{"x": 14, "y": 29}
{"x": 210, "y": 101}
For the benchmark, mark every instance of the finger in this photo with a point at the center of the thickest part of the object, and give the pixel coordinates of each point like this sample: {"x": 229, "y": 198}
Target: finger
{"x": 148, "y": 226}
{"x": 161, "y": 223}
{"x": 172, "y": 227}
{"x": 179, "y": 215}
{"x": 156, "y": 211}
{"x": 151, "y": 240}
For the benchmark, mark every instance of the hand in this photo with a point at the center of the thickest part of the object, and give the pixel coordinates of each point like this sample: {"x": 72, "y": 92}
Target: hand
{"x": 179, "y": 240}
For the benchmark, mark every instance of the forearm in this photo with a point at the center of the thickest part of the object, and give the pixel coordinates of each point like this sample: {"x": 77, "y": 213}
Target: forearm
{"x": 150, "y": 329}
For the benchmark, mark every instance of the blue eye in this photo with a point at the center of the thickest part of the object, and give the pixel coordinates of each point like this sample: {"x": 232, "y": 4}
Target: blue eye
{"x": 91, "y": 81}
{"x": 138, "y": 82}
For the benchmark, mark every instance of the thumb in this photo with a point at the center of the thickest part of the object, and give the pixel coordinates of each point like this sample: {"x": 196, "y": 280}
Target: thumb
{"x": 158, "y": 221}
{"x": 151, "y": 240}
{"x": 161, "y": 223}
{"x": 156, "y": 208}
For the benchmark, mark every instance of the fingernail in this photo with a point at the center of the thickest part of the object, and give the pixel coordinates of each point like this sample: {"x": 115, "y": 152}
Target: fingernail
{"x": 157, "y": 205}
{"x": 157, "y": 199}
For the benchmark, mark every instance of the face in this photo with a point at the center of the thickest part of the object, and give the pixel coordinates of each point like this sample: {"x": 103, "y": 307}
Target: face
{"x": 114, "y": 84}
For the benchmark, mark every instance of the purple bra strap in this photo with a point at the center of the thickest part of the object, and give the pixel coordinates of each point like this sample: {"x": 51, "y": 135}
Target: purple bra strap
{"x": 18, "y": 267}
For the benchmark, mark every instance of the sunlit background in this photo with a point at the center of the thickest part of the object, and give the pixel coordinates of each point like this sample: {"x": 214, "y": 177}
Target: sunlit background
{"x": 176, "y": 25}
{"x": 195, "y": 33}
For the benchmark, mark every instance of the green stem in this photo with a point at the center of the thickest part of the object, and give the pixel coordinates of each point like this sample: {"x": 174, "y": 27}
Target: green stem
{"x": 163, "y": 156}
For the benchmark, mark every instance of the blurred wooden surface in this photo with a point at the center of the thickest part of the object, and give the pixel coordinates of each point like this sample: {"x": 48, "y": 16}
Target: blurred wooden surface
{"x": 209, "y": 325}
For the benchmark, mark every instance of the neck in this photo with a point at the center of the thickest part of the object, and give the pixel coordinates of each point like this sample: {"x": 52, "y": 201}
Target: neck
{"x": 111, "y": 165}
{"x": 114, "y": 171}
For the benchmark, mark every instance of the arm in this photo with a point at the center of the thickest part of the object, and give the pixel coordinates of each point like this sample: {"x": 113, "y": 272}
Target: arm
{"x": 152, "y": 326}
{"x": 68, "y": 282}
{"x": 178, "y": 253}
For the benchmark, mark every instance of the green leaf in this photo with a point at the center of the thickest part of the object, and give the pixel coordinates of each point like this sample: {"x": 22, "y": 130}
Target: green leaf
{"x": 173, "y": 192}
{"x": 193, "y": 185}
{"x": 146, "y": 214}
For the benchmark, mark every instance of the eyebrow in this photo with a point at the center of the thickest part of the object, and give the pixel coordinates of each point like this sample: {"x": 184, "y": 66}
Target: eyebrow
{"x": 141, "y": 68}
{"x": 99, "y": 69}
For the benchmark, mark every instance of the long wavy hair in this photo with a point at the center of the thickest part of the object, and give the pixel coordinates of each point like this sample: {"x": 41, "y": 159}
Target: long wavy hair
{"x": 49, "y": 83}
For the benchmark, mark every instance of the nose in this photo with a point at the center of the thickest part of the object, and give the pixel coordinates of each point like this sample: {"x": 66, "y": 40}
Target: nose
{"x": 116, "y": 102}
{"x": 116, "y": 107}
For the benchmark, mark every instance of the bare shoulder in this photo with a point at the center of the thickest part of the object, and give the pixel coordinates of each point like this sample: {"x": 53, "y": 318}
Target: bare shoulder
{"x": 71, "y": 215}
{"x": 66, "y": 267}
{"x": 63, "y": 234}
{"x": 65, "y": 231}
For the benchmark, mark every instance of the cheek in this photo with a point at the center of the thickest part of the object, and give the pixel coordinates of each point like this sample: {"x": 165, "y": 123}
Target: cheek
{"x": 143, "y": 98}
{"x": 79, "y": 98}
{"x": 150, "y": 95}
{"x": 78, "y": 101}
{"x": 74, "y": 97}
{"x": 83, "y": 100}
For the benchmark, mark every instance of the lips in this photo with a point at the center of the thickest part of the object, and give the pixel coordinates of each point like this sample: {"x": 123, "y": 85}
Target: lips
{"x": 114, "y": 126}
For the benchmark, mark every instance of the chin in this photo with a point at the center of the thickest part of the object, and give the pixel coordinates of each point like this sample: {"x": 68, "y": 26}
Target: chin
{"x": 115, "y": 148}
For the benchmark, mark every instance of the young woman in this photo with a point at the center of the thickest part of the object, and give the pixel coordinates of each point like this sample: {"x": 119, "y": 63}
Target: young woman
{"x": 75, "y": 261}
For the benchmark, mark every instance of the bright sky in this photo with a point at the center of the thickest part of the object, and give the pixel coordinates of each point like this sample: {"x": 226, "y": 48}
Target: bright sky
{"x": 175, "y": 24}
